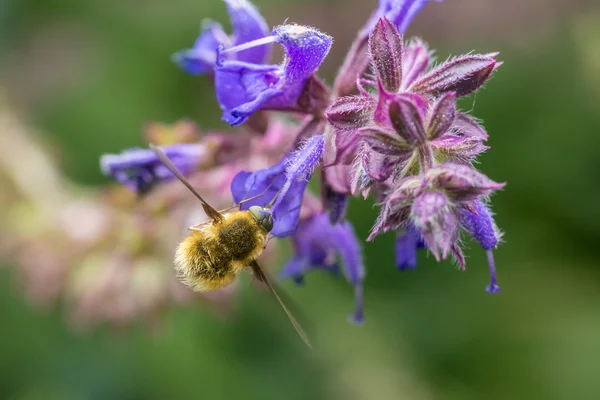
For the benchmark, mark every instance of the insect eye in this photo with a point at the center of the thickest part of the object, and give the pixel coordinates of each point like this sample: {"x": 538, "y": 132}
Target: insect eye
{"x": 267, "y": 223}
{"x": 258, "y": 213}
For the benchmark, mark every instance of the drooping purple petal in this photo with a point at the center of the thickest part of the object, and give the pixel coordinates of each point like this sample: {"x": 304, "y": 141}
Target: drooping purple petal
{"x": 481, "y": 226}
{"x": 140, "y": 169}
{"x": 316, "y": 244}
{"x": 248, "y": 25}
{"x": 407, "y": 244}
{"x": 462, "y": 75}
{"x": 295, "y": 269}
{"x": 385, "y": 46}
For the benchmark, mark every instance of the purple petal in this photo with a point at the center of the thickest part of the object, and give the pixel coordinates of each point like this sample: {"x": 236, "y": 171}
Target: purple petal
{"x": 316, "y": 240}
{"x": 243, "y": 88}
{"x": 406, "y": 116}
{"x": 140, "y": 169}
{"x": 201, "y": 58}
{"x": 442, "y": 116}
{"x": 385, "y": 46}
{"x": 287, "y": 214}
{"x": 267, "y": 183}
{"x": 248, "y": 25}
{"x": 300, "y": 165}
{"x": 306, "y": 48}
{"x": 282, "y": 185}
{"x": 407, "y": 243}
{"x": 481, "y": 226}
{"x": 462, "y": 75}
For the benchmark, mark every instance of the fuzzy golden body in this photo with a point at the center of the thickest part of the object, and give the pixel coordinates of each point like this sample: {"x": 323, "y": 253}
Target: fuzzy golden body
{"x": 212, "y": 256}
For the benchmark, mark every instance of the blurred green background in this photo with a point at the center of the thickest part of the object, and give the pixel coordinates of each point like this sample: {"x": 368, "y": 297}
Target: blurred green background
{"x": 89, "y": 74}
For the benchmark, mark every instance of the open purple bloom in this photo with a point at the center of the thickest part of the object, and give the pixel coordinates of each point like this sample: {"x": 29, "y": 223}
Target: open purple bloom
{"x": 281, "y": 186}
{"x": 248, "y": 25}
{"x": 140, "y": 169}
{"x": 317, "y": 245}
{"x": 243, "y": 88}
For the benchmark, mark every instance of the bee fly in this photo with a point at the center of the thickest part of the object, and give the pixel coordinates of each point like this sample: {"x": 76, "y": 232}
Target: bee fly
{"x": 216, "y": 251}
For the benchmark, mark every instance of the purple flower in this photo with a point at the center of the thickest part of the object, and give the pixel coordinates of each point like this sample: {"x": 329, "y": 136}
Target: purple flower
{"x": 482, "y": 227}
{"x": 281, "y": 186}
{"x": 248, "y": 25}
{"x": 140, "y": 169}
{"x": 243, "y": 88}
{"x": 317, "y": 244}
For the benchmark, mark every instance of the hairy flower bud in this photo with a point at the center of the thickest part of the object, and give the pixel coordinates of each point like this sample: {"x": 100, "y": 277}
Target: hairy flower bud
{"x": 385, "y": 45}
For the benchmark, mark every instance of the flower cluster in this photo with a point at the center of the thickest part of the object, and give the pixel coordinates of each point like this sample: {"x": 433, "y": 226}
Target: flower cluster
{"x": 389, "y": 127}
